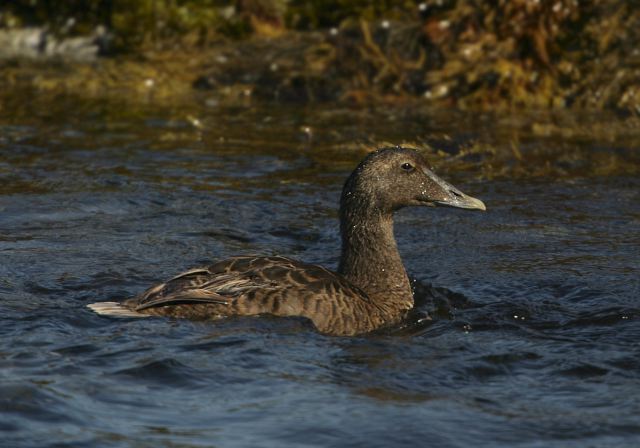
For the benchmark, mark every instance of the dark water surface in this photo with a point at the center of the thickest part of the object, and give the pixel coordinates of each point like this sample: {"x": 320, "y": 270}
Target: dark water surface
{"x": 534, "y": 336}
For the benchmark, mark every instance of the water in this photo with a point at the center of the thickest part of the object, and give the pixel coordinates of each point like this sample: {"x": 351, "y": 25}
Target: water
{"x": 534, "y": 314}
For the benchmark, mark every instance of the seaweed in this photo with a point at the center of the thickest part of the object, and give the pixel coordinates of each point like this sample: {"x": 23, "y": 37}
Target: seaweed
{"x": 497, "y": 55}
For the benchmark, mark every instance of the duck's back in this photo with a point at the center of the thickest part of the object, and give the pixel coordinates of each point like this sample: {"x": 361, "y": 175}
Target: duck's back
{"x": 243, "y": 286}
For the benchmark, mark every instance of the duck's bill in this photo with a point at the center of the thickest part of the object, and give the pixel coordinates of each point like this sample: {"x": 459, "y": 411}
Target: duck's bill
{"x": 450, "y": 196}
{"x": 467, "y": 202}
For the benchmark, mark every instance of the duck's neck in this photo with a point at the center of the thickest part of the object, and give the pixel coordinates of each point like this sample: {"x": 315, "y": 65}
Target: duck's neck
{"x": 370, "y": 259}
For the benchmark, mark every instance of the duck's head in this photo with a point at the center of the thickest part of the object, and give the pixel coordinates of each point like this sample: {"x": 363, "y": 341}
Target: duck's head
{"x": 391, "y": 178}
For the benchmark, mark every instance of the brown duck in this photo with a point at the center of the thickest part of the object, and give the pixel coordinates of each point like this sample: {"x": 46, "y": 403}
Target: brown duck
{"x": 371, "y": 288}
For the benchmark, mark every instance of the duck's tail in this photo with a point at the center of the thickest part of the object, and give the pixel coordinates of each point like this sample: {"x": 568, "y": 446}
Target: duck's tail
{"x": 114, "y": 309}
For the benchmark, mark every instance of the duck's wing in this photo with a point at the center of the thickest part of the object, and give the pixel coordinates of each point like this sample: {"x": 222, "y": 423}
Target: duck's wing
{"x": 240, "y": 282}
{"x": 199, "y": 285}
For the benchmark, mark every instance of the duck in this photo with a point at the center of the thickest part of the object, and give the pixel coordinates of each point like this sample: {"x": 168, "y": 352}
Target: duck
{"x": 370, "y": 289}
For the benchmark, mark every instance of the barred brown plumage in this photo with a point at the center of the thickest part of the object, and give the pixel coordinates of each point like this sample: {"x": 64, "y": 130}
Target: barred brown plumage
{"x": 371, "y": 288}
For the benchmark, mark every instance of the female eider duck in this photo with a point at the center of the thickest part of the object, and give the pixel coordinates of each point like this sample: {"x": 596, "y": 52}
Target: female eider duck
{"x": 371, "y": 288}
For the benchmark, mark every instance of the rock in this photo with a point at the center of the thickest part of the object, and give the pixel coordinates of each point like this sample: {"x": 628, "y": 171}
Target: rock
{"x": 39, "y": 44}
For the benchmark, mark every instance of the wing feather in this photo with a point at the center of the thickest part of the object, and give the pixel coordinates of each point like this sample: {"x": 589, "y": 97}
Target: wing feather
{"x": 191, "y": 295}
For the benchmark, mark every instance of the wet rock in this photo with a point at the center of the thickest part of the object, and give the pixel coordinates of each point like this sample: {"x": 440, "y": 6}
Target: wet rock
{"x": 39, "y": 44}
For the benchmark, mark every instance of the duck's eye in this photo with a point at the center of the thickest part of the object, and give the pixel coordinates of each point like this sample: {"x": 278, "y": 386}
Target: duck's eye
{"x": 407, "y": 167}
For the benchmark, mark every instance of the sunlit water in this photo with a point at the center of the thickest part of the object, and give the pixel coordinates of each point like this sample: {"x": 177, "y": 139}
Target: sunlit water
{"x": 533, "y": 328}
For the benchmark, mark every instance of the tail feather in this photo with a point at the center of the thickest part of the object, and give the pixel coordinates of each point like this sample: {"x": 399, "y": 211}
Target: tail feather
{"x": 114, "y": 309}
